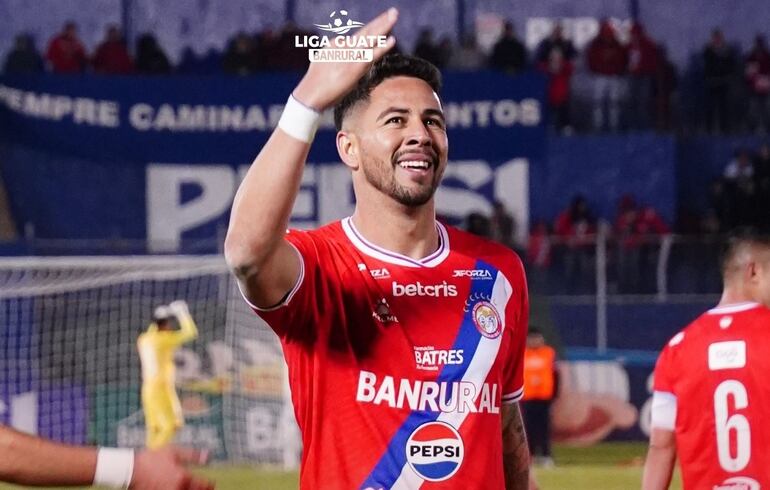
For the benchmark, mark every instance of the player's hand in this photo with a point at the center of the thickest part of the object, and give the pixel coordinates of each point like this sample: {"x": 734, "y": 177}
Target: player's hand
{"x": 326, "y": 83}
{"x": 164, "y": 469}
{"x": 179, "y": 308}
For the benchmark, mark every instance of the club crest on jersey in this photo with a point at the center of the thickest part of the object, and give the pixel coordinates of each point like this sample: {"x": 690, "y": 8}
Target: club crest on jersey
{"x": 435, "y": 451}
{"x": 486, "y": 319}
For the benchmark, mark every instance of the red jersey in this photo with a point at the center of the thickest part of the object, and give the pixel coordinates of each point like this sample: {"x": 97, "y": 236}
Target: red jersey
{"x": 398, "y": 367}
{"x": 717, "y": 369}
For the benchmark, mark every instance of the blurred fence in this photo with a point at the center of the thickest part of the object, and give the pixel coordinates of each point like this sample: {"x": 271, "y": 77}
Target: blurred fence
{"x": 657, "y": 265}
{"x": 606, "y": 293}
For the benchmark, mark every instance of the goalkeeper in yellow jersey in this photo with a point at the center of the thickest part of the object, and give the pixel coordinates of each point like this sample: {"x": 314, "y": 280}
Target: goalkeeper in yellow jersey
{"x": 162, "y": 411}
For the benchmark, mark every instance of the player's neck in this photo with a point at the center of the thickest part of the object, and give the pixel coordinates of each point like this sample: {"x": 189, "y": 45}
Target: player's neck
{"x": 406, "y": 231}
{"x": 735, "y": 295}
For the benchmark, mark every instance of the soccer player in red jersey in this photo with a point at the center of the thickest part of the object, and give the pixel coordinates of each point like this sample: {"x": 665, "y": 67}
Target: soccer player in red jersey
{"x": 404, "y": 337}
{"x": 711, "y": 399}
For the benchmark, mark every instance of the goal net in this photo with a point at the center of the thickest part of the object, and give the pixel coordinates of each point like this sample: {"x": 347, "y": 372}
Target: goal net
{"x": 70, "y": 371}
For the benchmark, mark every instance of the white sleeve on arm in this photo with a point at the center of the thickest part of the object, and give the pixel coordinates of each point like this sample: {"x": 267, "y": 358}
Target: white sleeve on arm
{"x": 663, "y": 410}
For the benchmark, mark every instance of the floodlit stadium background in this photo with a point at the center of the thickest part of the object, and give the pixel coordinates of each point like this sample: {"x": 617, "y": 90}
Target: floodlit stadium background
{"x": 141, "y": 156}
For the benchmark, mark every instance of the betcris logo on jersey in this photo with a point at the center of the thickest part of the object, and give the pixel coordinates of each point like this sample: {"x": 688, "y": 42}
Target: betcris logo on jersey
{"x": 435, "y": 451}
{"x": 443, "y": 290}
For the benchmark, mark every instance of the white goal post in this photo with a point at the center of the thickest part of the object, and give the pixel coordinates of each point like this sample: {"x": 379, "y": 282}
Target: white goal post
{"x": 69, "y": 368}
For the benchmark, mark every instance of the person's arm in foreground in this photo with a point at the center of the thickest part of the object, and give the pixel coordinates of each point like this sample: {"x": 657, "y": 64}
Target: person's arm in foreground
{"x": 30, "y": 460}
{"x": 264, "y": 263}
{"x": 659, "y": 465}
{"x": 515, "y": 449}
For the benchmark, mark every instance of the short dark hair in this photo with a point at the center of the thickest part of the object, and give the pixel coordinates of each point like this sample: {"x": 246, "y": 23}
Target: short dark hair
{"x": 390, "y": 65}
{"x": 737, "y": 240}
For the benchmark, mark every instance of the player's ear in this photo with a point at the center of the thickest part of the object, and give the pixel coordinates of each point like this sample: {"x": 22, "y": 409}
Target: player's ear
{"x": 752, "y": 271}
{"x": 347, "y": 147}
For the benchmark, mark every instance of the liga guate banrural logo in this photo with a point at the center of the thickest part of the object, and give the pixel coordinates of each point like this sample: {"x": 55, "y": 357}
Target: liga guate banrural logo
{"x": 342, "y": 45}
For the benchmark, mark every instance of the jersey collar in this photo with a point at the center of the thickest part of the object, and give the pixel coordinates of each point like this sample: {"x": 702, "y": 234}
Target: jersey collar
{"x": 379, "y": 253}
{"x": 733, "y": 308}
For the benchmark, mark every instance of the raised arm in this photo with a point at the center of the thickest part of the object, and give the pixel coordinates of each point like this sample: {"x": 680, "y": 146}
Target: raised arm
{"x": 661, "y": 456}
{"x": 263, "y": 262}
{"x": 187, "y": 329}
{"x": 515, "y": 449}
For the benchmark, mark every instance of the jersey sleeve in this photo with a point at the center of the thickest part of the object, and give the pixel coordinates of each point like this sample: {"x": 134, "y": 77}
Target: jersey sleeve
{"x": 664, "y": 374}
{"x": 293, "y": 316}
{"x": 517, "y": 319}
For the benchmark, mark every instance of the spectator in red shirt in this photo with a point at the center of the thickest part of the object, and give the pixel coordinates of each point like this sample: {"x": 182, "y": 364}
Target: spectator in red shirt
{"x": 66, "y": 53}
{"x": 112, "y": 56}
{"x": 607, "y": 61}
{"x": 642, "y": 67}
{"x": 758, "y": 79}
{"x": 554, "y": 58}
{"x": 638, "y": 233}
{"x": 539, "y": 246}
{"x": 559, "y": 70}
{"x": 576, "y": 228}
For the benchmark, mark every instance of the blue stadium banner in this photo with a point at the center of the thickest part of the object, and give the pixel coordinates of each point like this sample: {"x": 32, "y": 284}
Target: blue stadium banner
{"x": 160, "y": 158}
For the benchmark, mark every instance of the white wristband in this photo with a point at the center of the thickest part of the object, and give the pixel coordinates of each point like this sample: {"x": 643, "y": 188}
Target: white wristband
{"x": 114, "y": 467}
{"x": 299, "y": 121}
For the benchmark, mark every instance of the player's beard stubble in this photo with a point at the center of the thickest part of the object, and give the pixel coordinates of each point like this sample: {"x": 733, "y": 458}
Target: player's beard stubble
{"x": 382, "y": 176}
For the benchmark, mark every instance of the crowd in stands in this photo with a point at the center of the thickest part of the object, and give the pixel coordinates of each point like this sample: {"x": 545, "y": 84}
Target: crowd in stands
{"x": 741, "y": 196}
{"x": 633, "y": 238}
{"x": 633, "y": 83}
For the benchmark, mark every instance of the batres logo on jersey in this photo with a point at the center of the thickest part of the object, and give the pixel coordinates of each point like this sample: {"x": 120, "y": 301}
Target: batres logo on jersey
{"x": 738, "y": 483}
{"x": 474, "y": 274}
{"x": 435, "y": 451}
{"x": 444, "y": 289}
{"x": 430, "y": 359}
{"x": 433, "y": 396}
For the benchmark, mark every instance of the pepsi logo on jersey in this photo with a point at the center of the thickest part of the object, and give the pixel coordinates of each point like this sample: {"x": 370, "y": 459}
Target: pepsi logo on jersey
{"x": 434, "y": 451}
{"x": 444, "y": 290}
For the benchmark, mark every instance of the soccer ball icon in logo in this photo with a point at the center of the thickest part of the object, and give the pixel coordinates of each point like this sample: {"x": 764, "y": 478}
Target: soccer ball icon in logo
{"x": 340, "y": 19}
{"x": 340, "y": 23}
{"x": 435, "y": 451}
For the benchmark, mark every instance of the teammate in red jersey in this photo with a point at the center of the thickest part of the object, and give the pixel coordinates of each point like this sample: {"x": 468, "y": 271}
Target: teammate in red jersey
{"x": 711, "y": 399}
{"x": 404, "y": 337}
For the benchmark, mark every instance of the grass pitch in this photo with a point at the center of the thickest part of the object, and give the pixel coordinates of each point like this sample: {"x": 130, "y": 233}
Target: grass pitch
{"x": 608, "y": 466}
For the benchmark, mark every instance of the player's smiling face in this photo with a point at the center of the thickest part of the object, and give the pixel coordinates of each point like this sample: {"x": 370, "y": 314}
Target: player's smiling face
{"x": 402, "y": 140}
